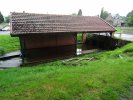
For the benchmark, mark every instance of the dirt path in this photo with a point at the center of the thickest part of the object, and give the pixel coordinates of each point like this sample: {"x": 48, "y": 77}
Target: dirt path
{"x": 130, "y": 94}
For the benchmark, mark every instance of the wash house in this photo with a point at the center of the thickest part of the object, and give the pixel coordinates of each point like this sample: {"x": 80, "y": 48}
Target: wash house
{"x": 47, "y": 36}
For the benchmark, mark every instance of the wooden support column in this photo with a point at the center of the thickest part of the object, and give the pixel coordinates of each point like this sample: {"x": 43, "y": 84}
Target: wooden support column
{"x": 22, "y": 46}
{"x": 75, "y": 35}
{"x": 84, "y": 37}
{"x": 112, "y": 34}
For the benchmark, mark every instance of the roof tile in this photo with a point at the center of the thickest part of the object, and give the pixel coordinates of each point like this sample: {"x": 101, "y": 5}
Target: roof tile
{"x": 28, "y": 23}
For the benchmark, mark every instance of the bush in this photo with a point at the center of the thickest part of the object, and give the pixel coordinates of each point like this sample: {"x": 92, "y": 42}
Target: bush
{"x": 89, "y": 36}
{"x": 79, "y": 37}
{"x": 2, "y": 52}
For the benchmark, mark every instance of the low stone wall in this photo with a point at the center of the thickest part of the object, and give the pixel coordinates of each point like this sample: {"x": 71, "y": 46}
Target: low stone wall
{"x": 105, "y": 42}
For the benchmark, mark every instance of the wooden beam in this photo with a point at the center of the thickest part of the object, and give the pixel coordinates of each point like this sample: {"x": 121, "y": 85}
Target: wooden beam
{"x": 22, "y": 48}
{"x": 75, "y": 43}
{"x": 84, "y": 37}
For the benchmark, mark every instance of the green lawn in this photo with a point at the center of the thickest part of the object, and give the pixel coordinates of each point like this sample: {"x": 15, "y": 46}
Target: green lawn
{"x": 118, "y": 29}
{"x": 107, "y": 77}
{"x": 8, "y": 44}
{"x": 125, "y": 30}
{"x": 79, "y": 37}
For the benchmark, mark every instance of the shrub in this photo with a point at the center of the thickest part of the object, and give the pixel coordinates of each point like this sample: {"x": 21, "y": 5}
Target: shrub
{"x": 2, "y": 52}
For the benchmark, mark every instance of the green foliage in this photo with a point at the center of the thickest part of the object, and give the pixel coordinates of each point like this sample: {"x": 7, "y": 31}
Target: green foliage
{"x": 1, "y": 18}
{"x": 79, "y": 37}
{"x": 9, "y": 43}
{"x": 130, "y": 21}
{"x": 130, "y": 14}
{"x": 125, "y": 51}
{"x": 130, "y": 18}
{"x": 89, "y": 36}
{"x": 2, "y": 25}
{"x": 104, "y": 14}
{"x": 7, "y": 19}
{"x": 2, "y": 52}
{"x": 125, "y": 30}
{"x": 103, "y": 79}
{"x": 118, "y": 29}
{"x": 80, "y": 12}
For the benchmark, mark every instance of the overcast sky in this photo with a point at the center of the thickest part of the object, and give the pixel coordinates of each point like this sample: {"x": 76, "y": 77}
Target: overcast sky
{"x": 89, "y": 7}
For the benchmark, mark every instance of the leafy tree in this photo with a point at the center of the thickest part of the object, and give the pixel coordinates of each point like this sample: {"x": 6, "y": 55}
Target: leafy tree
{"x": 104, "y": 14}
{"x": 7, "y": 19}
{"x": 1, "y": 18}
{"x": 110, "y": 19}
{"x": 130, "y": 14}
{"x": 80, "y": 12}
{"x": 130, "y": 18}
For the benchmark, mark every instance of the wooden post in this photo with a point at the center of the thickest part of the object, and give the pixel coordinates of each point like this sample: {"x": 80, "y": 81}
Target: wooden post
{"x": 84, "y": 37}
{"x": 111, "y": 34}
{"x": 22, "y": 46}
{"x": 75, "y": 43}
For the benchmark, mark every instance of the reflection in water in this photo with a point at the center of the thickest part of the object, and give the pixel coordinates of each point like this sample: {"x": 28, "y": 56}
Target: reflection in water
{"x": 4, "y": 32}
{"x": 35, "y": 55}
{"x": 82, "y": 48}
{"x": 127, "y": 37}
{"x": 13, "y": 62}
{"x": 79, "y": 51}
{"x": 49, "y": 53}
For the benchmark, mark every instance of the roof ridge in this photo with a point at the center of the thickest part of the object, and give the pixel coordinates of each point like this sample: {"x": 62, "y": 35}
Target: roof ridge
{"x": 49, "y": 14}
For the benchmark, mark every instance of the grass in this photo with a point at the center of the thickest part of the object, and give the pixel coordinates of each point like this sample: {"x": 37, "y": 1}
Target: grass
{"x": 125, "y": 30}
{"x": 107, "y": 77}
{"x": 118, "y": 29}
{"x": 79, "y": 37}
{"x": 8, "y": 44}
{"x": 2, "y": 25}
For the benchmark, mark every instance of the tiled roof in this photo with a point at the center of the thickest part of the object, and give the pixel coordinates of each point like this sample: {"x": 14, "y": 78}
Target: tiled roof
{"x": 28, "y": 23}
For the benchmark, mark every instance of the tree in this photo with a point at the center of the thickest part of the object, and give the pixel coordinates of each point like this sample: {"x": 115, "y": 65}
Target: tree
{"x": 104, "y": 14}
{"x": 1, "y": 18}
{"x": 110, "y": 19}
{"x": 7, "y": 19}
{"x": 130, "y": 18}
{"x": 80, "y": 12}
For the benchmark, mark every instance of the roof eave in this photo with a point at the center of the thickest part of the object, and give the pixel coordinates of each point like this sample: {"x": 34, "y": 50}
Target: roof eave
{"x": 18, "y": 34}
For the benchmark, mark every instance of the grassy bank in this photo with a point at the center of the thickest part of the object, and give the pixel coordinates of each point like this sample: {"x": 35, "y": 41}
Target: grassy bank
{"x": 107, "y": 77}
{"x": 2, "y": 25}
{"x": 8, "y": 43}
{"x": 125, "y": 30}
{"x": 79, "y": 37}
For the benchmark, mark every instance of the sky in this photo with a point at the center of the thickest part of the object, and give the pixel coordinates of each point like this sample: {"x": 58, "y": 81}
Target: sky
{"x": 89, "y": 7}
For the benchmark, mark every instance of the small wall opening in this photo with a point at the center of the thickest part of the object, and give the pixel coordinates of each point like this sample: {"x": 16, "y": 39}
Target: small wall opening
{"x": 79, "y": 38}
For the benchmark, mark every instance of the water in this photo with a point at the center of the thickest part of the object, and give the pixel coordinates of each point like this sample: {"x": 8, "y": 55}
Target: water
{"x": 128, "y": 37}
{"x": 13, "y": 62}
{"x": 34, "y": 55}
{"x": 84, "y": 48}
{"x": 4, "y": 32}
